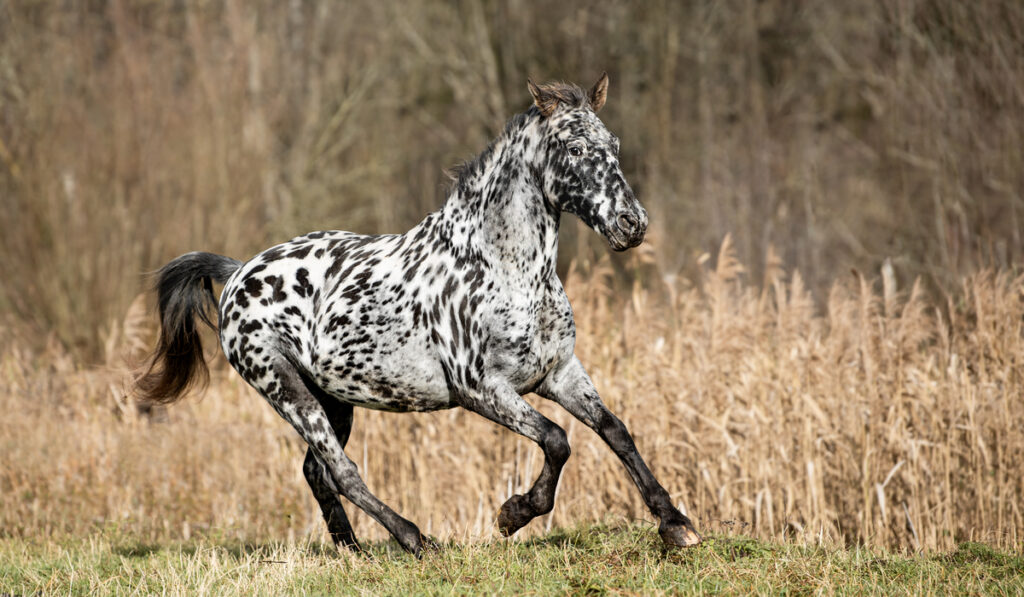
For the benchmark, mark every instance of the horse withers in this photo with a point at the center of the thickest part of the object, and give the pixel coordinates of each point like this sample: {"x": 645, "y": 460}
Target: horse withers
{"x": 464, "y": 310}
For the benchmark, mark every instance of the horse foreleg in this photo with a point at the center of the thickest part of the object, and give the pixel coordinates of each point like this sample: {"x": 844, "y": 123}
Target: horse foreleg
{"x": 507, "y": 408}
{"x": 570, "y": 386}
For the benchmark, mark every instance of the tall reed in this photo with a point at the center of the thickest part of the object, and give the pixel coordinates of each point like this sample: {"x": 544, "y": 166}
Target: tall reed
{"x": 885, "y": 418}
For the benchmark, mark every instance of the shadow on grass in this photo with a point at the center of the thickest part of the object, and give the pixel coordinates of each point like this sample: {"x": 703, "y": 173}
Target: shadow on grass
{"x": 559, "y": 539}
{"x": 643, "y": 537}
{"x": 236, "y": 549}
{"x": 969, "y": 554}
{"x": 141, "y": 550}
{"x": 601, "y": 537}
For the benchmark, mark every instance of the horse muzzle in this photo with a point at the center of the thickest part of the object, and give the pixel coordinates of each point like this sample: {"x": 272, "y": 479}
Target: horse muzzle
{"x": 628, "y": 228}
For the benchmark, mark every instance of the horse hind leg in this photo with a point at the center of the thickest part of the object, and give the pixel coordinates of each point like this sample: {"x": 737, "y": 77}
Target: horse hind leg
{"x": 282, "y": 385}
{"x": 339, "y": 415}
{"x": 334, "y": 513}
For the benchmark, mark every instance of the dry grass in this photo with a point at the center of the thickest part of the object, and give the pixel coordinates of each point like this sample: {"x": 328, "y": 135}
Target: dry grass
{"x": 887, "y": 420}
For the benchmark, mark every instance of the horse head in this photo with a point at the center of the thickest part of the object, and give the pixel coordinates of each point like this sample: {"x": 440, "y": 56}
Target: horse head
{"x": 577, "y": 163}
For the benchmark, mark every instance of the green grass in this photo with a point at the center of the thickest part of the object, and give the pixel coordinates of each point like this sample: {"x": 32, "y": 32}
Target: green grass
{"x": 593, "y": 560}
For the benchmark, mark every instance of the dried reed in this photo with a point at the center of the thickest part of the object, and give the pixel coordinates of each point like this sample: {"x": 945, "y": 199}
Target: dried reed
{"x": 885, "y": 419}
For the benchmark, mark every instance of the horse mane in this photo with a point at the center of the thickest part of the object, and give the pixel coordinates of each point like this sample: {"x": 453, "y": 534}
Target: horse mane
{"x": 462, "y": 174}
{"x": 567, "y": 94}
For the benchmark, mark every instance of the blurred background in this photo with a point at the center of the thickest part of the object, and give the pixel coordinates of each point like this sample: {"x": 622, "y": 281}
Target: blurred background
{"x": 822, "y": 136}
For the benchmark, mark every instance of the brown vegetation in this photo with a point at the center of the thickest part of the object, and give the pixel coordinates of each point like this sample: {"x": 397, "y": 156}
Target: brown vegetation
{"x": 885, "y": 420}
{"x": 823, "y": 136}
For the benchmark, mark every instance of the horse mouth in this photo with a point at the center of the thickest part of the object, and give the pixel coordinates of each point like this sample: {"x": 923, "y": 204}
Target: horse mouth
{"x": 620, "y": 242}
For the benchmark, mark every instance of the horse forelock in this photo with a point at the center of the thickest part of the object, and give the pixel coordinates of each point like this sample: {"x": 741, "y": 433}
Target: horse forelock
{"x": 567, "y": 95}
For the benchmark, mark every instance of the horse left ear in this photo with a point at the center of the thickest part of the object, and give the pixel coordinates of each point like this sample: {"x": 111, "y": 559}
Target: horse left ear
{"x": 599, "y": 93}
{"x": 545, "y": 101}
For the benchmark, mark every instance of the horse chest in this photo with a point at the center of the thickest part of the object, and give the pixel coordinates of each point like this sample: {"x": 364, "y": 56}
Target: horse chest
{"x": 535, "y": 333}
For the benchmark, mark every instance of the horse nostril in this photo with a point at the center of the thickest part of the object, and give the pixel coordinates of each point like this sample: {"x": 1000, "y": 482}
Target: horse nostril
{"x": 627, "y": 222}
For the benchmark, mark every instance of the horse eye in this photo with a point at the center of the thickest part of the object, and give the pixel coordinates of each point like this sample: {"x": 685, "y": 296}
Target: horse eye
{"x": 575, "y": 151}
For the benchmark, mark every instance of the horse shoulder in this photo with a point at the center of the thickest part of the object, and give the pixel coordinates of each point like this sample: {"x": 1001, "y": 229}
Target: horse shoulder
{"x": 557, "y": 321}
{"x": 530, "y": 331}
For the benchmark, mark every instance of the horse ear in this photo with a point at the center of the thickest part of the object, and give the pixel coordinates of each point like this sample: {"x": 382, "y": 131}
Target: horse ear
{"x": 545, "y": 101}
{"x": 599, "y": 93}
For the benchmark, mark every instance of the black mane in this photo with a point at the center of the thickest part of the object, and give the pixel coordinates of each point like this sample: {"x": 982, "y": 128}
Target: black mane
{"x": 462, "y": 174}
{"x": 565, "y": 94}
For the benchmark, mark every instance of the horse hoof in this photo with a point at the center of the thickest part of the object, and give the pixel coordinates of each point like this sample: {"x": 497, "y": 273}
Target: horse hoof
{"x": 679, "y": 535}
{"x": 410, "y": 538}
{"x": 514, "y": 515}
{"x": 430, "y": 544}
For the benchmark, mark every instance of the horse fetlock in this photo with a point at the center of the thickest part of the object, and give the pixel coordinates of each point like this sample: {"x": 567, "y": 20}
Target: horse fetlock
{"x": 341, "y": 531}
{"x": 556, "y": 447}
{"x": 515, "y": 514}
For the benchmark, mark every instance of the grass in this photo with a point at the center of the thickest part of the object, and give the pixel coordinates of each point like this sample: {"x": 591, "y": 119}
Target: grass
{"x": 771, "y": 392}
{"x": 585, "y": 560}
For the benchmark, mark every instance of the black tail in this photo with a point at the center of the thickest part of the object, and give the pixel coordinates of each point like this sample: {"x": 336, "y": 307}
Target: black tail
{"x": 185, "y": 290}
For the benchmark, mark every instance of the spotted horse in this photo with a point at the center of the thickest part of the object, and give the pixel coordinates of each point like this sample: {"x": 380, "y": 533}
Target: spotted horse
{"x": 464, "y": 310}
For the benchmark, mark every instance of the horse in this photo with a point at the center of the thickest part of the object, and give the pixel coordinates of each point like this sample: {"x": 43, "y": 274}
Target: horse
{"x": 463, "y": 310}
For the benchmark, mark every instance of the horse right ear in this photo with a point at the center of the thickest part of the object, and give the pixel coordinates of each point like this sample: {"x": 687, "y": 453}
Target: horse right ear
{"x": 545, "y": 101}
{"x": 599, "y": 93}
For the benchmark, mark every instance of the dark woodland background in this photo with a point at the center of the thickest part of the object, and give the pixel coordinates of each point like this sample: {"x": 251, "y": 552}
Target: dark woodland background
{"x": 822, "y": 136}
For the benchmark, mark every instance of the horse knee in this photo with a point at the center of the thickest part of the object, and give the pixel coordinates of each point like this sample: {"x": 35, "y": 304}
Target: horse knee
{"x": 556, "y": 446}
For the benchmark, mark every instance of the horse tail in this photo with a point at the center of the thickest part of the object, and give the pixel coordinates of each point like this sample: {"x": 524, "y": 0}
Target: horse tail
{"x": 184, "y": 290}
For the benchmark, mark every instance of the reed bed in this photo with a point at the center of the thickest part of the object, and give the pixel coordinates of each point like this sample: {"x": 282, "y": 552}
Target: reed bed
{"x": 880, "y": 417}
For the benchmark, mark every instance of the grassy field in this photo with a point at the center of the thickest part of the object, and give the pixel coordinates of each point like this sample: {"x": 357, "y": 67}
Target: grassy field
{"x": 587, "y": 560}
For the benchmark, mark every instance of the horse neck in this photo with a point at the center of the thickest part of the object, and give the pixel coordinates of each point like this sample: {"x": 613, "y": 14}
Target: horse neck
{"x": 500, "y": 213}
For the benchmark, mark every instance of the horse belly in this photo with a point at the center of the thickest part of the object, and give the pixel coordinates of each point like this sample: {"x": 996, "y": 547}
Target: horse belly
{"x": 386, "y": 378}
